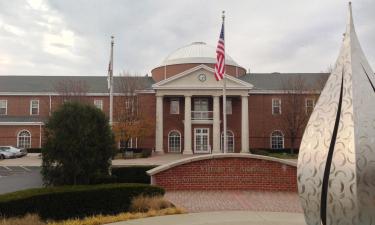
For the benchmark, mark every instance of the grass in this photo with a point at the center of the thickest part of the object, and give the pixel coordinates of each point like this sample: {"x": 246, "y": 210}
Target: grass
{"x": 141, "y": 207}
{"x": 26, "y": 220}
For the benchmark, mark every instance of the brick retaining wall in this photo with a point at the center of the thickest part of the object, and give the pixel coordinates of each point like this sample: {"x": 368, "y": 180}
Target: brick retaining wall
{"x": 231, "y": 173}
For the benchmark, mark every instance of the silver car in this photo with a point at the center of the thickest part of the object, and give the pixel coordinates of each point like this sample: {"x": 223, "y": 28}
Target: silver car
{"x": 6, "y": 154}
{"x": 16, "y": 151}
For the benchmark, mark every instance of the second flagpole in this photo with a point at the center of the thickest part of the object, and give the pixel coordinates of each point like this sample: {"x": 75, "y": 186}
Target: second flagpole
{"x": 225, "y": 144}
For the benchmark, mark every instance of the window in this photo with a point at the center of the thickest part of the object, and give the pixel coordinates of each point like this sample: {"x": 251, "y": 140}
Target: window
{"x": 277, "y": 140}
{"x": 310, "y": 104}
{"x": 34, "y": 107}
{"x": 230, "y": 141}
{"x": 131, "y": 143}
{"x": 175, "y": 106}
{"x": 174, "y": 141}
{"x": 3, "y": 107}
{"x": 24, "y": 139}
{"x": 229, "y": 106}
{"x": 98, "y": 103}
{"x": 276, "y": 106}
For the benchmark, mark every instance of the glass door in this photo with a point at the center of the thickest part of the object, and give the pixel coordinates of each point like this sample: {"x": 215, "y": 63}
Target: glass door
{"x": 201, "y": 140}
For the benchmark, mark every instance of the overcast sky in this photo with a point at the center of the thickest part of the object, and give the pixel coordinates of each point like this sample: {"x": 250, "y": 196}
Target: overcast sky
{"x": 72, "y": 37}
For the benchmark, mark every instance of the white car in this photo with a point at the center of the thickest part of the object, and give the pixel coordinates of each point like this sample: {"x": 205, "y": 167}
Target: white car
{"x": 16, "y": 151}
{"x": 6, "y": 154}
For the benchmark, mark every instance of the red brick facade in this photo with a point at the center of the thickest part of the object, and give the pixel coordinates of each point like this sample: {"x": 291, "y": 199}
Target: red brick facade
{"x": 231, "y": 173}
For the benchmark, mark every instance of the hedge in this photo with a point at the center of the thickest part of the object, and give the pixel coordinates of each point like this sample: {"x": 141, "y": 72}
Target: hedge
{"x": 74, "y": 201}
{"x": 34, "y": 150}
{"x": 132, "y": 174}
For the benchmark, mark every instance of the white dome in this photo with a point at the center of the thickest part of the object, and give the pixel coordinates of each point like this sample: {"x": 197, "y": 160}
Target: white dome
{"x": 196, "y": 52}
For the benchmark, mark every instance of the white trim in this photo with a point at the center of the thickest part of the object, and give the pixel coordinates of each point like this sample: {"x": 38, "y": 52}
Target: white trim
{"x": 217, "y": 156}
{"x": 273, "y": 106}
{"x": 180, "y": 140}
{"x": 282, "y": 135}
{"x": 20, "y": 123}
{"x": 208, "y": 140}
{"x": 31, "y": 107}
{"x": 159, "y": 85}
{"x": 18, "y": 134}
{"x": 6, "y": 107}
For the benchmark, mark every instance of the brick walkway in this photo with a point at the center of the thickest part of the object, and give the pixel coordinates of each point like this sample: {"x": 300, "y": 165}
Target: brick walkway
{"x": 206, "y": 201}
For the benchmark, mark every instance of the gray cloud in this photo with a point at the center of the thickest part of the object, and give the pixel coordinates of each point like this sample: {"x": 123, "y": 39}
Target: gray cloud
{"x": 73, "y": 37}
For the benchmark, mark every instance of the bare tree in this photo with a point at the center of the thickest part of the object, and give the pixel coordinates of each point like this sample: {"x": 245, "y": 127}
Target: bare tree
{"x": 130, "y": 118}
{"x": 72, "y": 90}
{"x": 295, "y": 113}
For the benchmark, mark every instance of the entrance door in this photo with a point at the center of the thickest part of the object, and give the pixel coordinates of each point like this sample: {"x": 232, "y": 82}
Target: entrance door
{"x": 201, "y": 142}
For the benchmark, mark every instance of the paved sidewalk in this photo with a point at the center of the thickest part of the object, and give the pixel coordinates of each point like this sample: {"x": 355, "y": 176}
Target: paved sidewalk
{"x": 206, "y": 201}
{"x": 222, "y": 218}
{"x": 33, "y": 159}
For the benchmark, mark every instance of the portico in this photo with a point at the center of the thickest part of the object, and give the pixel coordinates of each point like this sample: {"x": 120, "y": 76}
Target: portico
{"x": 201, "y": 99}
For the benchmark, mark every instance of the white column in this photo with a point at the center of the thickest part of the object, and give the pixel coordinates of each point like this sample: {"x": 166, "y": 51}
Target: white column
{"x": 159, "y": 125}
{"x": 187, "y": 126}
{"x": 216, "y": 125}
{"x": 245, "y": 124}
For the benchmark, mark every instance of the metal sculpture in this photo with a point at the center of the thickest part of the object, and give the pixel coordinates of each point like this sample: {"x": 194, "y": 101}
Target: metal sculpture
{"x": 336, "y": 163}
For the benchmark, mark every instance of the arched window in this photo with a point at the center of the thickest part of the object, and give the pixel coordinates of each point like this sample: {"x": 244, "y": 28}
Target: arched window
{"x": 24, "y": 139}
{"x": 277, "y": 140}
{"x": 230, "y": 141}
{"x": 174, "y": 141}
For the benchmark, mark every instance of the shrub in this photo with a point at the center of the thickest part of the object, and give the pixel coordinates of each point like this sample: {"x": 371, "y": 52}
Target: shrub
{"x": 146, "y": 203}
{"x": 132, "y": 174}
{"x": 79, "y": 145}
{"x": 74, "y": 201}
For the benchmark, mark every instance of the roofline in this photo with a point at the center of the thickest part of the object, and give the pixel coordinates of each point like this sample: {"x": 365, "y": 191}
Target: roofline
{"x": 57, "y": 94}
{"x": 20, "y": 123}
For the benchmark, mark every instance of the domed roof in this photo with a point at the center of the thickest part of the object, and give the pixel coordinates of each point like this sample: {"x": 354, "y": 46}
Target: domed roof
{"x": 196, "y": 52}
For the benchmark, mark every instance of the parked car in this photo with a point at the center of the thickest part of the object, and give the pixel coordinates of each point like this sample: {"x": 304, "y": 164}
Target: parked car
{"x": 6, "y": 154}
{"x": 17, "y": 151}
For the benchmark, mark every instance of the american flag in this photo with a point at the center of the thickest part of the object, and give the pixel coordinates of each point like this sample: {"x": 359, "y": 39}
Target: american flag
{"x": 220, "y": 56}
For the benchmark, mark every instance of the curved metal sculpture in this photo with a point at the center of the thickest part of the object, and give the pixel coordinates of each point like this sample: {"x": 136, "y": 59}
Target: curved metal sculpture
{"x": 336, "y": 163}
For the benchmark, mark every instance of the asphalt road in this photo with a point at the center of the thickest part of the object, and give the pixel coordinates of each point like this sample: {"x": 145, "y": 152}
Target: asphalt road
{"x": 15, "y": 178}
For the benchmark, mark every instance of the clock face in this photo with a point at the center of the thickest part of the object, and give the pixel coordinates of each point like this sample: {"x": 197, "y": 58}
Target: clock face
{"x": 202, "y": 77}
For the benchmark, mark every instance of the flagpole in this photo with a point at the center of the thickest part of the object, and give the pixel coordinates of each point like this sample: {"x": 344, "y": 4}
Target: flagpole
{"x": 111, "y": 85}
{"x": 225, "y": 144}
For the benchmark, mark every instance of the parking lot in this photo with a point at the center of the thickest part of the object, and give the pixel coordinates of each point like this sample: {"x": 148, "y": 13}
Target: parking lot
{"x": 15, "y": 178}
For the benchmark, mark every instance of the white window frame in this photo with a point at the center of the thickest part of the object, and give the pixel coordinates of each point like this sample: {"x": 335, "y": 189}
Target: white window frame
{"x": 208, "y": 140}
{"x": 274, "y": 100}
{"x": 229, "y": 107}
{"x": 18, "y": 137}
{"x": 306, "y": 106}
{"x": 31, "y": 107}
{"x": 169, "y": 135}
{"x": 98, "y": 103}
{"x": 222, "y": 141}
{"x": 282, "y": 136}
{"x": 6, "y": 106}
{"x": 175, "y": 101}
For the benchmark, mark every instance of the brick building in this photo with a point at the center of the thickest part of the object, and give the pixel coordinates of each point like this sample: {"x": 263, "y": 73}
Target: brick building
{"x": 183, "y": 100}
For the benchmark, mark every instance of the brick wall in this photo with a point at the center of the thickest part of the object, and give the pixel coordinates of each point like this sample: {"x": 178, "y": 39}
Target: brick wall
{"x": 232, "y": 173}
{"x": 170, "y": 70}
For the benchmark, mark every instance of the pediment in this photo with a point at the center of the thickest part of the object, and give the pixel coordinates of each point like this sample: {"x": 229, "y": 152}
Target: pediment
{"x": 200, "y": 77}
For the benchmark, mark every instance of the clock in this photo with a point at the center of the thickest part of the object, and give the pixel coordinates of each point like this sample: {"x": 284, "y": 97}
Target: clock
{"x": 202, "y": 77}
